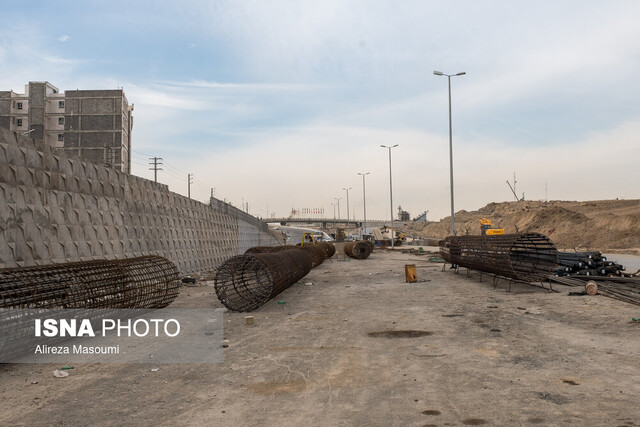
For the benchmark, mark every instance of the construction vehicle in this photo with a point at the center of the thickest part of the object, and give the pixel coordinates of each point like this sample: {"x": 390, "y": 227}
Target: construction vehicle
{"x": 487, "y": 228}
{"x": 383, "y": 235}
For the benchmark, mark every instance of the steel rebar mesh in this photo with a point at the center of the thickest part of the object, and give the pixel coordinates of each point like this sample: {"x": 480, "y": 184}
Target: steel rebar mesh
{"x": 143, "y": 282}
{"x": 329, "y": 248}
{"x": 268, "y": 249}
{"x": 528, "y": 257}
{"x": 369, "y": 244}
{"x": 358, "y": 250}
{"x": 317, "y": 254}
{"x": 246, "y": 282}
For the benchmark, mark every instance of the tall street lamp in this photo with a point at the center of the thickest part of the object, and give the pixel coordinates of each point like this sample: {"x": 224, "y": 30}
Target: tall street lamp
{"x": 347, "y": 190}
{"x": 338, "y": 202}
{"x": 334, "y": 214}
{"x": 390, "y": 189}
{"x": 364, "y": 203}
{"x": 440, "y": 73}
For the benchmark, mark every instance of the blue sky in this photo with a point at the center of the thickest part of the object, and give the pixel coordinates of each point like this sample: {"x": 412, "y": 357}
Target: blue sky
{"x": 280, "y": 103}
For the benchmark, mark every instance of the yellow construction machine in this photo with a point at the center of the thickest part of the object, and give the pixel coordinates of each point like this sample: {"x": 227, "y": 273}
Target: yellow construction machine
{"x": 486, "y": 228}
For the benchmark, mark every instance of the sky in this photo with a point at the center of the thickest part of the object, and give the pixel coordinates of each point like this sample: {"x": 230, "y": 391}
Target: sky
{"x": 279, "y": 104}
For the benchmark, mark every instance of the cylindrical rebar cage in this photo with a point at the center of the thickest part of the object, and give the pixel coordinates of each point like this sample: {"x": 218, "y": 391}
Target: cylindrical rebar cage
{"x": 246, "y": 282}
{"x": 529, "y": 257}
{"x": 316, "y": 253}
{"x": 328, "y": 247}
{"x": 142, "y": 282}
{"x": 358, "y": 250}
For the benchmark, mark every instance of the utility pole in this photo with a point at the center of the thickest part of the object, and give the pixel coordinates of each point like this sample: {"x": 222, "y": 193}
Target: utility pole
{"x": 155, "y": 162}
{"x": 189, "y": 182}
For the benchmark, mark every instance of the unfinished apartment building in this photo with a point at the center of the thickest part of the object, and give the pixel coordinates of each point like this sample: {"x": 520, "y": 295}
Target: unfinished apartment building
{"x": 94, "y": 124}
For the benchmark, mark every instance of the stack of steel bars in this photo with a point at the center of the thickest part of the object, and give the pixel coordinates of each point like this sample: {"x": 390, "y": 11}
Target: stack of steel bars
{"x": 359, "y": 249}
{"x": 527, "y": 257}
{"x": 622, "y": 288}
{"x": 143, "y": 282}
{"x": 587, "y": 264}
{"x": 246, "y": 282}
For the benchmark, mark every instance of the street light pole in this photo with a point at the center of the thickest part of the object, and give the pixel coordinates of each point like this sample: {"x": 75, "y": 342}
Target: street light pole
{"x": 390, "y": 189}
{"x": 334, "y": 214}
{"x": 364, "y": 203}
{"x": 338, "y": 202}
{"x": 347, "y": 190}
{"x": 440, "y": 73}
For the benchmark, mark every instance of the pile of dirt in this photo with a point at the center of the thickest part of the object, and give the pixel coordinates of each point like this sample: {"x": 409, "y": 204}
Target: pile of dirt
{"x": 599, "y": 225}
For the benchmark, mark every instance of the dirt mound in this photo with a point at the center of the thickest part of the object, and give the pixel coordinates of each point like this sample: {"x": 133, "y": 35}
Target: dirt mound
{"x": 599, "y": 225}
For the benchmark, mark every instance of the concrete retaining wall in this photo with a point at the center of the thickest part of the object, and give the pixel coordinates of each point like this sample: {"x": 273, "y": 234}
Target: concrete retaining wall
{"x": 57, "y": 208}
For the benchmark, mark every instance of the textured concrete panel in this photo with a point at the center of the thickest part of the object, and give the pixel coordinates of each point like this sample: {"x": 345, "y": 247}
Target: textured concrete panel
{"x": 56, "y": 208}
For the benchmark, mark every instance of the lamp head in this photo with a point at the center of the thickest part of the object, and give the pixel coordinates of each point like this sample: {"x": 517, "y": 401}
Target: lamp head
{"x": 438, "y": 73}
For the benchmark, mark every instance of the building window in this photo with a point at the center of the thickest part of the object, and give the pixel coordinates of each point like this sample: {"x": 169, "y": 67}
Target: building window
{"x": 61, "y": 137}
{"x": 60, "y": 120}
{"x": 13, "y": 120}
{"x": 19, "y": 123}
{"x": 60, "y": 104}
{"x": 19, "y": 105}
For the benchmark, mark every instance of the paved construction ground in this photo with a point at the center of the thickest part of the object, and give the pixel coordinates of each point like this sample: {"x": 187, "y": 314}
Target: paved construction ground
{"x": 361, "y": 347}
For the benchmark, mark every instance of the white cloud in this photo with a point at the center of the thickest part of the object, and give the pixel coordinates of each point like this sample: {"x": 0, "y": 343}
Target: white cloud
{"x": 64, "y": 38}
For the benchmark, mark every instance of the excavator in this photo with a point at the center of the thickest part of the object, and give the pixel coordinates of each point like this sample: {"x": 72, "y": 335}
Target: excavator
{"x": 487, "y": 228}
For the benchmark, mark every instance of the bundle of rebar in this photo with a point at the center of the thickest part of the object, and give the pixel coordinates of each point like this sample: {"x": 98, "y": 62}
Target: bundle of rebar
{"x": 625, "y": 289}
{"x": 142, "y": 282}
{"x": 529, "y": 257}
{"x": 358, "y": 250}
{"x": 246, "y": 282}
{"x": 586, "y": 264}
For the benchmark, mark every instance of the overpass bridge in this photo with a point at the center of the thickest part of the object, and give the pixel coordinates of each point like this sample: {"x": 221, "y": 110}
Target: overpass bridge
{"x": 330, "y": 222}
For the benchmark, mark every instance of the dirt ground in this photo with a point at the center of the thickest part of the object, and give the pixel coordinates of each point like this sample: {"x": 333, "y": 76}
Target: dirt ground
{"x": 361, "y": 347}
{"x": 604, "y": 225}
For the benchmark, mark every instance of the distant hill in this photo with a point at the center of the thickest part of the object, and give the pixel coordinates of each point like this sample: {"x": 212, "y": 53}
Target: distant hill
{"x": 598, "y": 225}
